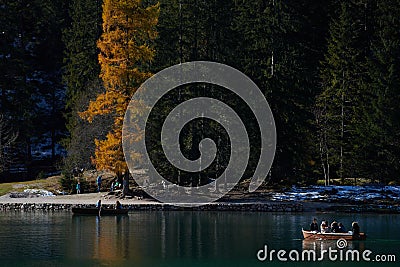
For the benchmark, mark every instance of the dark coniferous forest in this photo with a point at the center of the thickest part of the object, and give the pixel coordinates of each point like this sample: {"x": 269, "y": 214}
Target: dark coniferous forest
{"x": 330, "y": 71}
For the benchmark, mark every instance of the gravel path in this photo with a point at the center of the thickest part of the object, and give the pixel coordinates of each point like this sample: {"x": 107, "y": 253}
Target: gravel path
{"x": 90, "y": 198}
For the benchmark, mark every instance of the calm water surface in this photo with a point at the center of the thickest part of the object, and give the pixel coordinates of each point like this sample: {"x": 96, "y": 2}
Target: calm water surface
{"x": 177, "y": 238}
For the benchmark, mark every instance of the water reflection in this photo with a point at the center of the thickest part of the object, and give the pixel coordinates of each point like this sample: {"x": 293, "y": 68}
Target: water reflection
{"x": 104, "y": 239}
{"x": 181, "y": 238}
{"x": 322, "y": 249}
{"x": 197, "y": 235}
{"x": 166, "y": 235}
{"x": 319, "y": 245}
{"x": 155, "y": 238}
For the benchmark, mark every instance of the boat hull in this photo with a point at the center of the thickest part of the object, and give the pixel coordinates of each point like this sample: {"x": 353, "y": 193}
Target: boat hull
{"x": 95, "y": 211}
{"x": 312, "y": 235}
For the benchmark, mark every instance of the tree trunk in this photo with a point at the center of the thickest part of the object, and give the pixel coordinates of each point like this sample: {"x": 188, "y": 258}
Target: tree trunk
{"x": 321, "y": 154}
{"x": 125, "y": 183}
{"x": 342, "y": 134}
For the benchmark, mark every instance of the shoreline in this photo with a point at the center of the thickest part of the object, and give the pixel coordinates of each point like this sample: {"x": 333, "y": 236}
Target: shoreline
{"x": 66, "y": 202}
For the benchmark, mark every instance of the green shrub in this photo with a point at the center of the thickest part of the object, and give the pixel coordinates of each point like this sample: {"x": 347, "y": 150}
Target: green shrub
{"x": 41, "y": 175}
{"x": 68, "y": 183}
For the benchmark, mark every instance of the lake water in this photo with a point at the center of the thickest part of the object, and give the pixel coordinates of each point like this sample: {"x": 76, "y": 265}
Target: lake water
{"x": 180, "y": 238}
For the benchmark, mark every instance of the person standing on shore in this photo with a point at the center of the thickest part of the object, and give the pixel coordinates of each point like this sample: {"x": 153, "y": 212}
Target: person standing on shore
{"x": 78, "y": 187}
{"x": 98, "y": 183}
{"x": 98, "y": 205}
{"x": 112, "y": 187}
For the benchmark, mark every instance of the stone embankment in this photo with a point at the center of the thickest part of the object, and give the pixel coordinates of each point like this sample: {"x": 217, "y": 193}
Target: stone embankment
{"x": 266, "y": 207}
{"x": 366, "y": 208}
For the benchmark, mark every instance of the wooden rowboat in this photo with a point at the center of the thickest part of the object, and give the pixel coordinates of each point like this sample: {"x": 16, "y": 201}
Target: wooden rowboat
{"x": 95, "y": 211}
{"x": 313, "y": 235}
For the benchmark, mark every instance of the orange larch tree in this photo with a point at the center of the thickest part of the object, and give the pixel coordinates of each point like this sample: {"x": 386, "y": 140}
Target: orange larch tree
{"x": 126, "y": 50}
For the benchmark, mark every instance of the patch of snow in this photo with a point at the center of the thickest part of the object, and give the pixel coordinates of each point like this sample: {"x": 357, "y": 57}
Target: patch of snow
{"x": 355, "y": 193}
{"x": 39, "y": 192}
{"x": 61, "y": 192}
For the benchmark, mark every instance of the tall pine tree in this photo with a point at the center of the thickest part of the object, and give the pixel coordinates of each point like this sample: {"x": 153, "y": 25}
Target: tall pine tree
{"x": 30, "y": 88}
{"x": 342, "y": 72}
{"x": 274, "y": 51}
{"x": 81, "y": 77}
{"x": 380, "y": 124}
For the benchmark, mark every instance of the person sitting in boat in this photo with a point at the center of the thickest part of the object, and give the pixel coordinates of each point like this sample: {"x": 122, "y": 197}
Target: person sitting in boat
{"x": 325, "y": 227}
{"x": 118, "y": 205}
{"x": 342, "y": 229}
{"x": 355, "y": 228}
{"x": 314, "y": 225}
{"x": 335, "y": 227}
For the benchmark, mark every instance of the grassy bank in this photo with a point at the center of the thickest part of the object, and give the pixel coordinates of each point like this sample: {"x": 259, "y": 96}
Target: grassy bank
{"x": 50, "y": 184}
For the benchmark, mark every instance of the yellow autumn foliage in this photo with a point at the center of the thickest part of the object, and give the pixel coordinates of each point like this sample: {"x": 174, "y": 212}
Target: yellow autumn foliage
{"x": 125, "y": 53}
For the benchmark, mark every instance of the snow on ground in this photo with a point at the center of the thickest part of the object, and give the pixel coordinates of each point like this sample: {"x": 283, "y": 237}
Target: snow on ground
{"x": 349, "y": 193}
{"x": 39, "y": 192}
{"x": 30, "y": 193}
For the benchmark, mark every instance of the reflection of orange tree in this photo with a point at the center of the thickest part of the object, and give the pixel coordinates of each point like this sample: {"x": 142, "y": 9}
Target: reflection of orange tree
{"x": 112, "y": 244}
{"x": 125, "y": 53}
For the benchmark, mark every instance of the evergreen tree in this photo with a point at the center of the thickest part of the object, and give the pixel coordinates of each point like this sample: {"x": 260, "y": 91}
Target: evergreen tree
{"x": 342, "y": 72}
{"x": 380, "y": 123}
{"x": 81, "y": 76}
{"x": 7, "y": 141}
{"x": 276, "y": 54}
{"x": 169, "y": 27}
{"x": 31, "y": 90}
{"x": 16, "y": 65}
{"x": 81, "y": 52}
{"x": 190, "y": 30}
{"x": 47, "y": 75}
